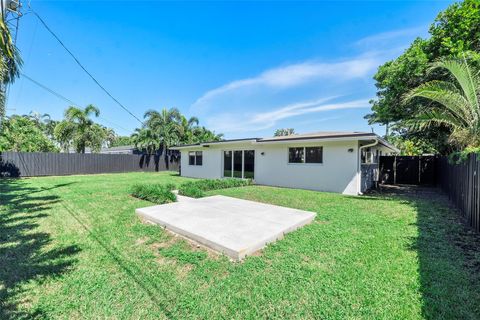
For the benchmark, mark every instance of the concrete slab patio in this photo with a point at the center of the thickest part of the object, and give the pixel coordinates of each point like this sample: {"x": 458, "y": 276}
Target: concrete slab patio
{"x": 232, "y": 226}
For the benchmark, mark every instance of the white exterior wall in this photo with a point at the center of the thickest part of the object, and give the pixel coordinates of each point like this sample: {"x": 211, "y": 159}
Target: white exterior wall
{"x": 337, "y": 173}
{"x": 212, "y": 167}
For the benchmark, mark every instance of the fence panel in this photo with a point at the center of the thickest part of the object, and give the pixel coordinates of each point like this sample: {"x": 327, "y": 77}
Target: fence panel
{"x": 408, "y": 170}
{"x": 462, "y": 185}
{"x": 32, "y": 164}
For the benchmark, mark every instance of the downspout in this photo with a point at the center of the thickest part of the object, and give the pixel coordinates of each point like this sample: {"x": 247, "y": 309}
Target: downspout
{"x": 359, "y": 165}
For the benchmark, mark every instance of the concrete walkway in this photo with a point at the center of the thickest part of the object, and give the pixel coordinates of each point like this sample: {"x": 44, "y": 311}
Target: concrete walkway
{"x": 232, "y": 226}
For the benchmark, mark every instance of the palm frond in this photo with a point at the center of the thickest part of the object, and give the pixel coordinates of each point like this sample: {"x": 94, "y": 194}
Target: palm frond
{"x": 434, "y": 117}
{"x": 91, "y": 109}
{"x": 466, "y": 78}
{"x": 447, "y": 95}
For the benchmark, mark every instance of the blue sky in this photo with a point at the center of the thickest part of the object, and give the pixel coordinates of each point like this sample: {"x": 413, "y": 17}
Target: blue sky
{"x": 244, "y": 68}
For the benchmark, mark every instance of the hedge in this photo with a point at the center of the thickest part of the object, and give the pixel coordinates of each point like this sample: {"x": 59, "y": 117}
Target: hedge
{"x": 156, "y": 193}
{"x": 196, "y": 189}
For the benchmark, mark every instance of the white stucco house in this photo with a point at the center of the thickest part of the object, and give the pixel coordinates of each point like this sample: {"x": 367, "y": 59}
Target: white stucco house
{"x": 343, "y": 162}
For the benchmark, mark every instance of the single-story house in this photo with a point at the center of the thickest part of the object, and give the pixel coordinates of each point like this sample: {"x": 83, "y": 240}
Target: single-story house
{"x": 344, "y": 162}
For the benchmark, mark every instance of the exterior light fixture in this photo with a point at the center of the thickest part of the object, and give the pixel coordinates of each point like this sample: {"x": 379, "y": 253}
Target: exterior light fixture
{"x": 350, "y": 150}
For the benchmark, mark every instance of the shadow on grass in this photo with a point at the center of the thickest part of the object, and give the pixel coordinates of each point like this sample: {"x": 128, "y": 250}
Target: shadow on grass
{"x": 24, "y": 256}
{"x": 448, "y": 255}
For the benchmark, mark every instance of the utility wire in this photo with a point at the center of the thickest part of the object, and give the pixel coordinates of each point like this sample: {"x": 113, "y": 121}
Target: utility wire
{"x": 81, "y": 65}
{"x": 58, "y": 95}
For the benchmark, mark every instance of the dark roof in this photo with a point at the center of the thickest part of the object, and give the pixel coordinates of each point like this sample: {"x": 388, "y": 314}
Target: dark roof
{"x": 119, "y": 148}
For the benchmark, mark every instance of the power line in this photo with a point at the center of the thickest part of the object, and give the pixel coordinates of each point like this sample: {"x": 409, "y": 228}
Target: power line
{"x": 58, "y": 95}
{"x": 81, "y": 65}
{"x": 62, "y": 97}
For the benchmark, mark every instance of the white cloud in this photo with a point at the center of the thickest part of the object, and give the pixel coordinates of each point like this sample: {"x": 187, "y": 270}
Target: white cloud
{"x": 230, "y": 123}
{"x": 294, "y": 75}
{"x": 248, "y": 104}
{"x": 385, "y": 38}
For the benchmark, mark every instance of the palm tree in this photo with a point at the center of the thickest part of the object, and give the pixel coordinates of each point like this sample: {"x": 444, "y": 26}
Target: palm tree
{"x": 166, "y": 125}
{"x": 202, "y": 134}
{"x": 110, "y": 136}
{"x": 146, "y": 139}
{"x": 10, "y": 63}
{"x": 39, "y": 118}
{"x": 457, "y": 102}
{"x": 188, "y": 128}
{"x": 79, "y": 130}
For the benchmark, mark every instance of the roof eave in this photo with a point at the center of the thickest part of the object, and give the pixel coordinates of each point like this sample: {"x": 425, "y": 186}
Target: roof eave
{"x": 207, "y": 144}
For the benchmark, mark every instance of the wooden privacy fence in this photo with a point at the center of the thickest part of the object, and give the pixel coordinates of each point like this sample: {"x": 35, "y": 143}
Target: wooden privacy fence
{"x": 462, "y": 185}
{"x": 31, "y": 164}
{"x": 408, "y": 170}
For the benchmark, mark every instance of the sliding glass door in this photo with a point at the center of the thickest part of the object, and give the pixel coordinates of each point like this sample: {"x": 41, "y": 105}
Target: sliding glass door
{"x": 239, "y": 164}
{"x": 227, "y": 163}
{"x": 248, "y": 164}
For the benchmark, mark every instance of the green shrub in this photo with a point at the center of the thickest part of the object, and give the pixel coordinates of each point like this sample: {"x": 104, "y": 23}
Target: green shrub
{"x": 196, "y": 189}
{"x": 156, "y": 193}
{"x": 190, "y": 190}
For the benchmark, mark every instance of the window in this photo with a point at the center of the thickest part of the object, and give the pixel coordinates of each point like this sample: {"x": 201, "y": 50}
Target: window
{"x": 296, "y": 155}
{"x": 368, "y": 156}
{"x": 227, "y": 163}
{"x": 248, "y": 164}
{"x": 305, "y": 155}
{"x": 314, "y": 154}
{"x": 195, "y": 158}
{"x": 198, "y": 158}
{"x": 239, "y": 164}
{"x": 191, "y": 158}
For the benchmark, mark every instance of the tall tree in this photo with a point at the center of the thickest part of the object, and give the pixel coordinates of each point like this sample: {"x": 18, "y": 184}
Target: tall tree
{"x": 166, "y": 125}
{"x": 457, "y": 102}
{"x": 79, "y": 130}
{"x": 21, "y": 134}
{"x": 284, "y": 132}
{"x": 147, "y": 140}
{"x": 10, "y": 63}
{"x": 455, "y": 30}
{"x": 202, "y": 134}
{"x": 121, "y": 141}
{"x": 188, "y": 128}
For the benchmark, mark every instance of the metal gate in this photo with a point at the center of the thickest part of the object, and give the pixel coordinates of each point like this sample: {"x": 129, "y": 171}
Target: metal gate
{"x": 408, "y": 170}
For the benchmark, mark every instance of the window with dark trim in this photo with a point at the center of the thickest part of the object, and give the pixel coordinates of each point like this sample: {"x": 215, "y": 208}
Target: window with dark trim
{"x": 367, "y": 156}
{"x": 296, "y": 155}
{"x": 305, "y": 155}
{"x": 191, "y": 158}
{"x": 313, "y": 154}
{"x": 195, "y": 158}
{"x": 198, "y": 158}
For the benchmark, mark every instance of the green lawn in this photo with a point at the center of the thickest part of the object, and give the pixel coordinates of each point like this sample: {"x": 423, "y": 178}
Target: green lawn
{"x": 72, "y": 247}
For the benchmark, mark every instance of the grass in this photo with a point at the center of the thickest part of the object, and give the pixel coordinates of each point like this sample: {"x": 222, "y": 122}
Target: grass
{"x": 72, "y": 247}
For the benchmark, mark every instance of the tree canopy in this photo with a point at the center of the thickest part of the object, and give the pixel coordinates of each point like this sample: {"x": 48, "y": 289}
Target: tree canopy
{"x": 284, "y": 132}
{"x": 22, "y": 134}
{"x": 454, "y": 31}
{"x": 79, "y": 131}
{"x": 456, "y": 102}
{"x": 10, "y": 63}
{"x": 168, "y": 127}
